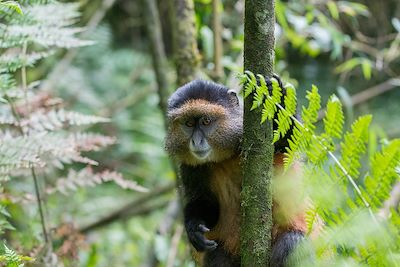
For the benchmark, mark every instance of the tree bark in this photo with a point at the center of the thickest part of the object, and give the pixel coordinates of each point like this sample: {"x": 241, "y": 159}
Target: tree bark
{"x": 218, "y": 48}
{"x": 185, "y": 43}
{"x": 257, "y": 148}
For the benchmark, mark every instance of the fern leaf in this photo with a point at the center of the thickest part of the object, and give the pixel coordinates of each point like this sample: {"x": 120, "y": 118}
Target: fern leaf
{"x": 284, "y": 123}
{"x": 58, "y": 119}
{"x": 11, "y": 5}
{"x": 6, "y": 82}
{"x": 354, "y": 145}
{"x": 311, "y": 217}
{"x": 87, "y": 178}
{"x": 310, "y": 114}
{"x": 15, "y": 61}
{"x": 290, "y": 99}
{"x": 379, "y": 182}
{"x": 334, "y": 118}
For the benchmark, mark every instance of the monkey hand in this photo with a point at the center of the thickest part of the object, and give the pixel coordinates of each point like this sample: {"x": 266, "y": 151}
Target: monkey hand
{"x": 196, "y": 230}
{"x": 277, "y": 78}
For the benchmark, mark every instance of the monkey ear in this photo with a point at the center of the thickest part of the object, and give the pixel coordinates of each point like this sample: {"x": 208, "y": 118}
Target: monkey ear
{"x": 233, "y": 96}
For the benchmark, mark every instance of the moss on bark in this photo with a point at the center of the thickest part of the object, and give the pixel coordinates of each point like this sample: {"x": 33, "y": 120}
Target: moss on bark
{"x": 257, "y": 154}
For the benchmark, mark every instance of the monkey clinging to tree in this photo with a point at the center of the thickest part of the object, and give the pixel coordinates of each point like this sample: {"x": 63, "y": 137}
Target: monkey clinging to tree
{"x": 204, "y": 136}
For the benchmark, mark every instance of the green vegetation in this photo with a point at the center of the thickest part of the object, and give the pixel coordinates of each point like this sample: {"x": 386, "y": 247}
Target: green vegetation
{"x": 348, "y": 202}
{"x": 84, "y": 180}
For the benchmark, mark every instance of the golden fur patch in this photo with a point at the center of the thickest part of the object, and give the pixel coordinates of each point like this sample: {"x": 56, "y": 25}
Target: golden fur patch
{"x": 197, "y": 107}
{"x": 226, "y": 184}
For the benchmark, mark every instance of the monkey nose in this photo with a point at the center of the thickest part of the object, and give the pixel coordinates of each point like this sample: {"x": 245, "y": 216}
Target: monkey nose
{"x": 197, "y": 143}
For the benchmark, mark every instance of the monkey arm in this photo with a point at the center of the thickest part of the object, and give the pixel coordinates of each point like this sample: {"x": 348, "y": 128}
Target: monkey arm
{"x": 201, "y": 209}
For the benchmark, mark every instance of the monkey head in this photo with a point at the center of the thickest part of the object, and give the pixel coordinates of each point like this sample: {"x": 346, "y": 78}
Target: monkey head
{"x": 205, "y": 123}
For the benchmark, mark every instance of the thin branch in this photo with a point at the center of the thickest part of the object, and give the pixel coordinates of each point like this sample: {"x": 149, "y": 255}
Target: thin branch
{"x": 40, "y": 205}
{"x": 370, "y": 93}
{"x": 375, "y": 90}
{"x": 174, "y": 246}
{"x": 164, "y": 227}
{"x": 130, "y": 209}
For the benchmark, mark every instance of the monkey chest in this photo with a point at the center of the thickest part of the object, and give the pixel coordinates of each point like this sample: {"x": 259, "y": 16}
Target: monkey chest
{"x": 226, "y": 185}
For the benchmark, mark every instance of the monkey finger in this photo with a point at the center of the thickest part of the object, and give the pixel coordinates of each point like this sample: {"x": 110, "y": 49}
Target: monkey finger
{"x": 211, "y": 244}
{"x": 203, "y": 228}
{"x": 278, "y": 79}
{"x": 201, "y": 243}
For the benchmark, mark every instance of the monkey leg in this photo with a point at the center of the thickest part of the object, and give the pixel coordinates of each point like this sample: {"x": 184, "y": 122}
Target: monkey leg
{"x": 284, "y": 246}
{"x": 219, "y": 257}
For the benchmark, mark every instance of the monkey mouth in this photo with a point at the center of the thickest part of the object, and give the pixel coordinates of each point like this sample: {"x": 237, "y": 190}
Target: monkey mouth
{"x": 201, "y": 154}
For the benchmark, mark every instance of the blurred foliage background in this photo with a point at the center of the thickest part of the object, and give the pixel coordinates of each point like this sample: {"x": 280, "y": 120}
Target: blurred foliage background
{"x": 350, "y": 48}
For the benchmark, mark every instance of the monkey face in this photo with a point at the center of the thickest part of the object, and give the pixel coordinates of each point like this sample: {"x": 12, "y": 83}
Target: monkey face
{"x": 202, "y": 132}
{"x": 197, "y": 130}
{"x": 205, "y": 123}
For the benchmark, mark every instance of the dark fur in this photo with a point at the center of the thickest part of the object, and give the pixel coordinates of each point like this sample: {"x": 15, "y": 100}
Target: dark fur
{"x": 212, "y": 188}
{"x": 284, "y": 244}
{"x": 200, "y": 89}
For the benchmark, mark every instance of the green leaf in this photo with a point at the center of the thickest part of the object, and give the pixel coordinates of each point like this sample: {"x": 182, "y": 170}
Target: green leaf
{"x": 348, "y": 65}
{"x": 366, "y": 68}
{"x": 334, "y": 118}
{"x": 12, "y": 5}
{"x": 333, "y": 9}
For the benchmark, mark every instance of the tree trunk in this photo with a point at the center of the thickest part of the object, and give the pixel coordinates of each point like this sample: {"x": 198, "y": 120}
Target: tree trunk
{"x": 185, "y": 43}
{"x": 257, "y": 148}
{"x": 218, "y": 48}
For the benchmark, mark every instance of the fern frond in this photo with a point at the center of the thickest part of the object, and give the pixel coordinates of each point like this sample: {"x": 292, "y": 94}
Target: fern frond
{"x": 42, "y": 149}
{"x": 334, "y": 118}
{"x": 290, "y": 99}
{"x": 15, "y": 61}
{"x": 379, "y": 182}
{"x": 311, "y": 217}
{"x": 354, "y": 145}
{"x": 54, "y": 14}
{"x": 284, "y": 123}
{"x": 11, "y": 5}
{"x": 317, "y": 151}
{"x": 87, "y": 178}
{"x": 12, "y": 258}
{"x": 268, "y": 110}
{"x": 6, "y": 82}
{"x": 90, "y": 141}
{"x": 45, "y": 25}
{"x": 298, "y": 141}
{"x": 258, "y": 98}
{"x": 50, "y": 37}
{"x": 276, "y": 92}
{"x": 58, "y": 119}
{"x": 310, "y": 114}
{"x": 18, "y": 153}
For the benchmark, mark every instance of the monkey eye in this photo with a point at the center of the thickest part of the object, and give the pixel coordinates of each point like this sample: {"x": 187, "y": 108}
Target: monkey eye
{"x": 206, "y": 121}
{"x": 189, "y": 123}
